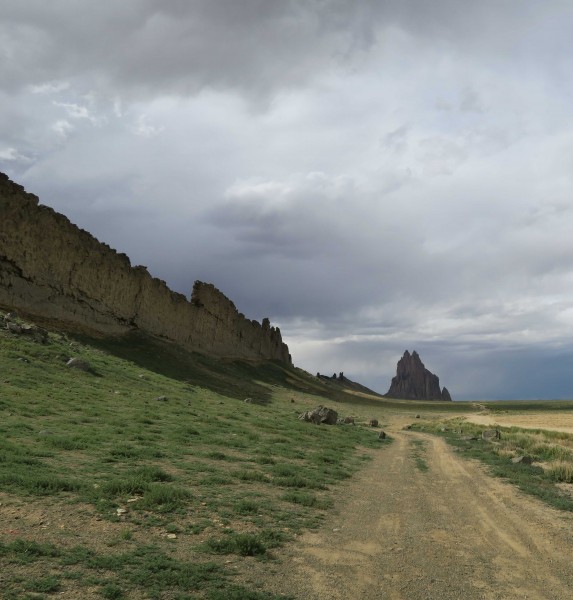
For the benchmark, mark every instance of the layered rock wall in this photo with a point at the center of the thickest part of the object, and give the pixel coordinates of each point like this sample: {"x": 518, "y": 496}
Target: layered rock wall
{"x": 50, "y": 268}
{"x": 414, "y": 382}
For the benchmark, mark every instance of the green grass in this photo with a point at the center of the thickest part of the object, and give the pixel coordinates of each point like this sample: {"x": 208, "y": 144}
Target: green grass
{"x": 418, "y": 451}
{"x": 216, "y": 474}
{"x": 551, "y": 451}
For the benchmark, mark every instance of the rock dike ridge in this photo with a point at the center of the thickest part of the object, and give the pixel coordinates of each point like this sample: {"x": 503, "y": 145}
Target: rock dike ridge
{"x": 53, "y": 270}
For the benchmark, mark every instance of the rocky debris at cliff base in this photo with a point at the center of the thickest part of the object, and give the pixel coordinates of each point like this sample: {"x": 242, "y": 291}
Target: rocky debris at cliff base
{"x": 414, "y": 382}
{"x": 321, "y": 414}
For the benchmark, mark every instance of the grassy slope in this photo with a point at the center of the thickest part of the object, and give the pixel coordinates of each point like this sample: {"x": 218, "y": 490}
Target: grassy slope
{"x": 108, "y": 491}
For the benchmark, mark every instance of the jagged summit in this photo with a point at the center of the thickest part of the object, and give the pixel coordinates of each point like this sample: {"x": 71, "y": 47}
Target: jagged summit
{"x": 414, "y": 382}
{"x": 52, "y": 270}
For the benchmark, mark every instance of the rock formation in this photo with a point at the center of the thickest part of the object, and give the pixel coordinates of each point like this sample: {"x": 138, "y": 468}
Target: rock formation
{"x": 414, "y": 382}
{"x": 51, "y": 269}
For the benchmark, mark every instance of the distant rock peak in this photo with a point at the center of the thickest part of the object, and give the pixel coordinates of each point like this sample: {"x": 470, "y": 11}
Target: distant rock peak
{"x": 414, "y": 382}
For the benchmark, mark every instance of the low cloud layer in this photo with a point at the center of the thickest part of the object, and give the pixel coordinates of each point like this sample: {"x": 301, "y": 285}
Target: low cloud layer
{"x": 373, "y": 176}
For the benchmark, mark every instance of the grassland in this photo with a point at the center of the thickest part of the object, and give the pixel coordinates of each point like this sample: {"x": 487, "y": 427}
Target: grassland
{"x": 150, "y": 477}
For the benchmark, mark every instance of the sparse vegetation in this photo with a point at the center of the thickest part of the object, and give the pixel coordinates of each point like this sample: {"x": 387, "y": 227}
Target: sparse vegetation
{"x": 418, "y": 450}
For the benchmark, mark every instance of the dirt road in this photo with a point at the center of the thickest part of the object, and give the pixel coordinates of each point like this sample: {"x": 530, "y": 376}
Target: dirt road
{"x": 451, "y": 532}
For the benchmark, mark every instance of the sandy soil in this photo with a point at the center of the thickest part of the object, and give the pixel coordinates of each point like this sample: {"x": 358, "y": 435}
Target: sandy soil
{"x": 553, "y": 422}
{"x": 451, "y": 532}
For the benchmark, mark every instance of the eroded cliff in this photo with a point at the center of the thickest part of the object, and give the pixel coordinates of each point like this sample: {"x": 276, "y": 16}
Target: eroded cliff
{"x": 50, "y": 268}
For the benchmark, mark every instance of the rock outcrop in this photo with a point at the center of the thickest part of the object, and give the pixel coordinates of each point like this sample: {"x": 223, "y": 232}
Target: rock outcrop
{"x": 51, "y": 269}
{"x": 321, "y": 414}
{"x": 414, "y": 382}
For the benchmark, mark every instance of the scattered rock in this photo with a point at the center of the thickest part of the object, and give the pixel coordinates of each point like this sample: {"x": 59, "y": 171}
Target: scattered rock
{"x": 161, "y": 399}
{"x": 490, "y": 434}
{"x": 36, "y": 333}
{"x": 373, "y": 422}
{"x": 349, "y": 420}
{"x": 259, "y": 401}
{"x": 13, "y": 327}
{"x": 417, "y": 416}
{"x": 121, "y": 511}
{"x": 80, "y": 364}
{"x": 414, "y": 382}
{"x": 172, "y": 536}
{"x": 321, "y": 414}
{"x": 469, "y": 438}
{"x": 22, "y": 359}
{"x": 522, "y": 460}
{"x": 382, "y": 435}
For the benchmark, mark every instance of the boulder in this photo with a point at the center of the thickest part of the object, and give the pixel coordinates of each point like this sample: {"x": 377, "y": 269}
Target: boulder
{"x": 414, "y": 382}
{"x": 321, "y": 414}
{"x": 36, "y": 333}
{"x": 522, "y": 460}
{"x": 13, "y": 327}
{"x": 490, "y": 434}
{"x": 373, "y": 422}
{"x": 348, "y": 420}
{"x": 80, "y": 364}
{"x": 382, "y": 435}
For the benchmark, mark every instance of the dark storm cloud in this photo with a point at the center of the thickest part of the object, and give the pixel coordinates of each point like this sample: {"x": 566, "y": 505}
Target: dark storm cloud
{"x": 372, "y": 175}
{"x": 255, "y": 46}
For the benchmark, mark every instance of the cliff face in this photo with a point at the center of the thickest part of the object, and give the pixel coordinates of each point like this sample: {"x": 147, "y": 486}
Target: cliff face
{"x": 414, "y": 382}
{"x": 50, "y": 268}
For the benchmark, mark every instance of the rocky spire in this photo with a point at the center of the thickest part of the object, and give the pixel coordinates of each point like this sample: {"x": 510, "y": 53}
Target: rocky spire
{"x": 414, "y": 382}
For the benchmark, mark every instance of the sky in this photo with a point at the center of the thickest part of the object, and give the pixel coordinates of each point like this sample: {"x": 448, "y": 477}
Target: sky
{"x": 372, "y": 175}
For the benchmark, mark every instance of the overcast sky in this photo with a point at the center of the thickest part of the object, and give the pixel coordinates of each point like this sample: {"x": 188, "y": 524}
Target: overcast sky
{"x": 373, "y": 175}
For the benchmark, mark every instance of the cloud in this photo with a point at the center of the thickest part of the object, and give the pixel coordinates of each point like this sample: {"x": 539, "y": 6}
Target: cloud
{"x": 373, "y": 176}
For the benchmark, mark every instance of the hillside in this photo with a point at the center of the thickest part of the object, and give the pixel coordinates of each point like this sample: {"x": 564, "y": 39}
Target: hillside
{"x": 148, "y": 475}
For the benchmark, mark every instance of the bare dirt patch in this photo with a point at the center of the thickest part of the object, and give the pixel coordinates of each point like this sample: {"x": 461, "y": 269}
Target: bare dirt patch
{"x": 562, "y": 421}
